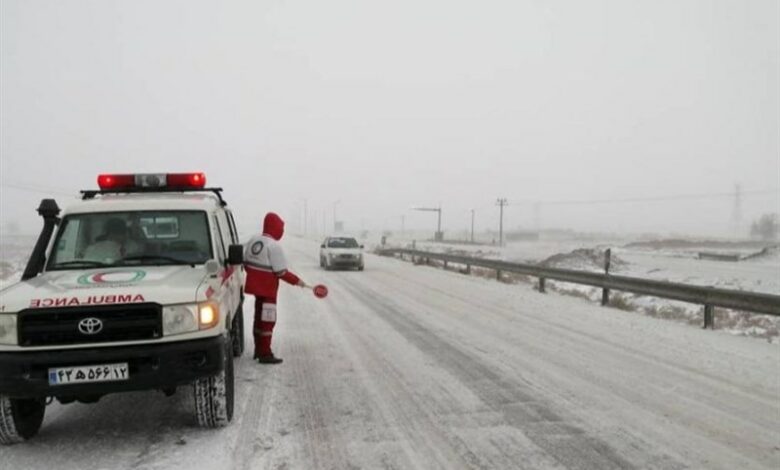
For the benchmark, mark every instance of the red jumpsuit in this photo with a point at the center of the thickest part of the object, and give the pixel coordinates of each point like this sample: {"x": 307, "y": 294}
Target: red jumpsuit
{"x": 265, "y": 264}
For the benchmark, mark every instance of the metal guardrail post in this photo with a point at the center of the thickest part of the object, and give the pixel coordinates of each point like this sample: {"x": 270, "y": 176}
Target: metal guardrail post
{"x": 607, "y": 262}
{"x": 541, "y": 285}
{"x": 498, "y": 274}
{"x": 709, "y": 317}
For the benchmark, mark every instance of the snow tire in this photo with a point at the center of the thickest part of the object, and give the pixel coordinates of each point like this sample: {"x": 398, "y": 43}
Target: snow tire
{"x": 214, "y": 396}
{"x": 20, "y": 419}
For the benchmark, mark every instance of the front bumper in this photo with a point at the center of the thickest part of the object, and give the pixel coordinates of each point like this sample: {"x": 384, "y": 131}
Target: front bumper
{"x": 345, "y": 262}
{"x": 151, "y": 367}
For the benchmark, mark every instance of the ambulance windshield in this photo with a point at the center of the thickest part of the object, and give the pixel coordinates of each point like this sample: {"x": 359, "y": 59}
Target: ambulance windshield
{"x": 109, "y": 239}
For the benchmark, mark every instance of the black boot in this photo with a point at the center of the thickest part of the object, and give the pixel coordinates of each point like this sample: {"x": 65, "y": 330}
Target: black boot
{"x": 269, "y": 359}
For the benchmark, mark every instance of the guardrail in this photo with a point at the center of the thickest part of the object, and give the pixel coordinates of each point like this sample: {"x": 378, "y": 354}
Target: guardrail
{"x": 709, "y": 297}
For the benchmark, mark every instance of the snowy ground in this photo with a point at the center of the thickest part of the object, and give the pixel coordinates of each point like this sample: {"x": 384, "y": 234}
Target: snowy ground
{"x": 14, "y": 252}
{"x": 761, "y": 274}
{"x": 408, "y": 366}
{"x": 661, "y": 261}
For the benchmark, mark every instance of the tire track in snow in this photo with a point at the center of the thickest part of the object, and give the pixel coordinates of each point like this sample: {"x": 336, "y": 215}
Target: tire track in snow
{"x": 565, "y": 442}
{"x": 424, "y": 443}
{"x": 712, "y": 409}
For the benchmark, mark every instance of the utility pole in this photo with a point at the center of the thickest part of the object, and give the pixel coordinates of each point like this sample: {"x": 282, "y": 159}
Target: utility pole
{"x": 335, "y": 220}
{"x": 501, "y": 202}
{"x": 439, "y": 235}
{"x": 736, "y": 215}
{"x": 472, "y": 225}
{"x": 538, "y": 217}
{"x": 305, "y": 216}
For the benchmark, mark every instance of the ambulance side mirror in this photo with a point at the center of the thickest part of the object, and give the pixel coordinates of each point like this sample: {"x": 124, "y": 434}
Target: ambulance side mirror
{"x": 212, "y": 267}
{"x": 236, "y": 254}
{"x": 322, "y": 246}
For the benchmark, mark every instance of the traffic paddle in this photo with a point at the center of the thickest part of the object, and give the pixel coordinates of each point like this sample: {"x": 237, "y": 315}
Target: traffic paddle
{"x": 320, "y": 291}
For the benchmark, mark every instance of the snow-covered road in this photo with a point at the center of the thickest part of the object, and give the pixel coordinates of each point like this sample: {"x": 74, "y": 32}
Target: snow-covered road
{"x": 413, "y": 367}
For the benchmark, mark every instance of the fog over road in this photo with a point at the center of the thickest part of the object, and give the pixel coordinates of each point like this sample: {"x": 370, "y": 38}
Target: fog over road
{"x": 407, "y": 366}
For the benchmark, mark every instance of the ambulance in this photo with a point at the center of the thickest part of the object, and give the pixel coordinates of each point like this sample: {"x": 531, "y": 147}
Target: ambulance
{"x": 136, "y": 286}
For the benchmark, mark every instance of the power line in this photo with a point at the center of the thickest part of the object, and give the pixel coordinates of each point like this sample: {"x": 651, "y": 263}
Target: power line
{"x": 38, "y": 189}
{"x": 501, "y": 202}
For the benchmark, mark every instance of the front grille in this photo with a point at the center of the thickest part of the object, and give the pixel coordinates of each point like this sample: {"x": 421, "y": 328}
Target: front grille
{"x": 346, "y": 256}
{"x": 57, "y": 326}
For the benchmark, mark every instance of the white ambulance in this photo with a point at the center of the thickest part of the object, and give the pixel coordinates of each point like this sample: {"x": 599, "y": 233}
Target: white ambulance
{"x": 138, "y": 286}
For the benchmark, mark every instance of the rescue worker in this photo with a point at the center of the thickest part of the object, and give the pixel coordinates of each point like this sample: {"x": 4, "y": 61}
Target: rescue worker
{"x": 265, "y": 266}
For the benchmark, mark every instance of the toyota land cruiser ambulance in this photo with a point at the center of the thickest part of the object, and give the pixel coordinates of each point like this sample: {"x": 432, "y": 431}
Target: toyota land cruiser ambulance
{"x": 138, "y": 286}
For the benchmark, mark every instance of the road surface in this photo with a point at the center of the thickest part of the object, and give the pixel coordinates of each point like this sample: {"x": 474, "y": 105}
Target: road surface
{"x": 406, "y": 367}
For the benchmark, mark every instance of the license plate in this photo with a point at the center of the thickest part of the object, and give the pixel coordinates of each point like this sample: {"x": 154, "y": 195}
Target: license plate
{"x": 87, "y": 374}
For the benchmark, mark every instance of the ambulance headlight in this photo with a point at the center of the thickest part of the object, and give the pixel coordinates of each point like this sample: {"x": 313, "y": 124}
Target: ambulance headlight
{"x": 8, "y": 329}
{"x": 208, "y": 315}
{"x": 178, "y": 319}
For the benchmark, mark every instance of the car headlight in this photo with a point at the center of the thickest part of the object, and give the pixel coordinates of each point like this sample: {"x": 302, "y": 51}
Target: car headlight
{"x": 8, "y": 334}
{"x": 208, "y": 315}
{"x": 178, "y": 319}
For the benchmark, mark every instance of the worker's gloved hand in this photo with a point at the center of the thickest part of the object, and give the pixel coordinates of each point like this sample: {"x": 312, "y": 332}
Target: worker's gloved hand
{"x": 302, "y": 284}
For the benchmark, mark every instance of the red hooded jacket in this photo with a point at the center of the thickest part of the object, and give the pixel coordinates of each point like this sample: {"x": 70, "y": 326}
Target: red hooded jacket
{"x": 265, "y": 262}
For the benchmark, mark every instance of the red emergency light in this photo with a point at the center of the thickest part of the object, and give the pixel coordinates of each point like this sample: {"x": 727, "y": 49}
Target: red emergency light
{"x": 116, "y": 181}
{"x": 187, "y": 180}
{"x": 152, "y": 180}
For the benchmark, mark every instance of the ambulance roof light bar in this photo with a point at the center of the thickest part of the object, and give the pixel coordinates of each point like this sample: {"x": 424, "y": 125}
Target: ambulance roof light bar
{"x": 152, "y": 180}
{"x": 151, "y": 183}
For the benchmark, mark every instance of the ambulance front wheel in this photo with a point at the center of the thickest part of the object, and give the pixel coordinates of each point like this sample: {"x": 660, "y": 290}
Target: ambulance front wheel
{"x": 20, "y": 419}
{"x": 214, "y": 396}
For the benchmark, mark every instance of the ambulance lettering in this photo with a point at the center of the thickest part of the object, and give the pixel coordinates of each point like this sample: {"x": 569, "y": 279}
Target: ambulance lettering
{"x": 91, "y": 300}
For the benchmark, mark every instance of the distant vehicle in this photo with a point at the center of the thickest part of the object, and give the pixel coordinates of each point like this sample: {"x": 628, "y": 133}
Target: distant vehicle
{"x": 137, "y": 287}
{"x": 341, "y": 252}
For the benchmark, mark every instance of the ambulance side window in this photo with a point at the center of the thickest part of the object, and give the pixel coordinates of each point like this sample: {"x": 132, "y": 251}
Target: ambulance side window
{"x": 227, "y": 236}
{"x": 232, "y": 225}
{"x": 221, "y": 255}
{"x": 68, "y": 243}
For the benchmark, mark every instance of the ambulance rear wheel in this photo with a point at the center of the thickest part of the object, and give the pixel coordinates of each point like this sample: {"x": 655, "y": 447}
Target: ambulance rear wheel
{"x": 20, "y": 419}
{"x": 214, "y": 396}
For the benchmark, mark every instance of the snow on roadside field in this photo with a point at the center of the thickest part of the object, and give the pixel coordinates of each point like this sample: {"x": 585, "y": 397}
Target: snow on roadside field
{"x": 14, "y": 252}
{"x": 674, "y": 261}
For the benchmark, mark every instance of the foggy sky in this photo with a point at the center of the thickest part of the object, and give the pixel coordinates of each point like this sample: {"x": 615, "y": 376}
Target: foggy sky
{"x": 388, "y": 105}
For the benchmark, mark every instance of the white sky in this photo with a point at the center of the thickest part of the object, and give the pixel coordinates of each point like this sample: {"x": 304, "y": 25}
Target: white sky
{"x": 387, "y": 105}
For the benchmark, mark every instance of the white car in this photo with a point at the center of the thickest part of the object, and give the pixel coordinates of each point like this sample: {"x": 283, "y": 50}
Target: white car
{"x": 137, "y": 287}
{"x": 341, "y": 252}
